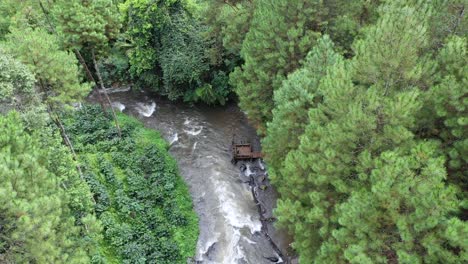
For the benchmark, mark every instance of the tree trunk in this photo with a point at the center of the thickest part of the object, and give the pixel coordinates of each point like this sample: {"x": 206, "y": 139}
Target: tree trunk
{"x": 65, "y": 137}
{"x": 101, "y": 84}
{"x": 77, "y": 52}
{"x": 90, "y": 77}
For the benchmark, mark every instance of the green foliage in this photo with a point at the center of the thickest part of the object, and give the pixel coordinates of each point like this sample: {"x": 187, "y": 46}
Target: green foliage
{"x": 182, "y": 54}
{"x": 348, "y": 18}
{"x": 141, "y": 200}
{"x": 167, "y": 53}
{"x": 16, "y": 82}
{"x": 173, "y": 53}
{"x": 114, "y": 68}
{"x": 271, "y": 52}
{"x": 228, "y": 24}
{"x": 86, "y": 24}
{"x": 280, "y": 35}
{"x": 389, "y": 54}
{"x": 45, "y": 207}
{"x": 20, "y": 14}
{"x": 448, "y": 19}
{"x": 293, "y": 100}
{"x": 56, "y": 71}
{"x": 212, "y": 94}
{"x": 359, "y": 186}
{"x": 403, "y": 214}
{"x": 7, "y": 10}
{"x": 448, "y": 106}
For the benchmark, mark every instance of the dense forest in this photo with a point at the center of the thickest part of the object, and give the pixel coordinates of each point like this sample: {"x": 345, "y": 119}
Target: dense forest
{"x": 361, "y": 106}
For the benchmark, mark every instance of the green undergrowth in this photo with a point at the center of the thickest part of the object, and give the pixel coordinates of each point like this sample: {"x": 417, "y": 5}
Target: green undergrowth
{"x": 141, "y": 200}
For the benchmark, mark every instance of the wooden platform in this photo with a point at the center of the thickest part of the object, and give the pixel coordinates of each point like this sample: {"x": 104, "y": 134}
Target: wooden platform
{"x": 243, "y": 151}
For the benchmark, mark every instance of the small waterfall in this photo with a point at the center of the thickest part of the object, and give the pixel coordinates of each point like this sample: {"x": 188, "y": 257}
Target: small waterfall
{"x": 146, "y": 110}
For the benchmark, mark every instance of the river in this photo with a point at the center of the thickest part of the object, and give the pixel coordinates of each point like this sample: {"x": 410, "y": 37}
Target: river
{"x": 231, "y": 230}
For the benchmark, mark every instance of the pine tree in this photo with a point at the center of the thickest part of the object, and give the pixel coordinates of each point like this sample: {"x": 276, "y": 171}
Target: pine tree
{"x": 16, "y": 83}
{"x": 281, "y": 34}
{"x": 19, "y": 14}
{"x": 37, "y": 221}
{"x": 56, "y": 71}
{"x": 319, "y": 173}
{"x": 293, "y": 100}
{"x": 345, "y": 193}
{"x": 403, "y": 216}
{"x": 390, "y": 53}
{"x": 448, "y": 107}
{"x": 86, "y": 24}
{"x": 348, "y": 19}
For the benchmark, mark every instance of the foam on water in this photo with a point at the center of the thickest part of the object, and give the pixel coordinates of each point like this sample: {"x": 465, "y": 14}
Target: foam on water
{"x": 118, "y": 90}
{"x": 195, "y": 131}
{"x": 206, "y": 247}
{"x": 250, "y": 241}
{"x": 235, "y": 217}
{"x": 232, "y": 210}
{"x": 118, "y": 105}
{"x": 174, "y": 139}
{"x": 234, "y": 251}
{"x": 146, "y": 110}
{"x": 261, "y": 165}
{"x": 247, "y": 171}
{"x": 187, "y": 121}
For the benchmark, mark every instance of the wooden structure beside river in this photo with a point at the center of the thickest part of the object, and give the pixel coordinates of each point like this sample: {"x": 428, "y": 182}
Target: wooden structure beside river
{"x": 244, "y": 151}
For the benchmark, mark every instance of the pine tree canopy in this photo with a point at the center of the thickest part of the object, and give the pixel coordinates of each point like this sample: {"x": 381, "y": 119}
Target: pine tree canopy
{"x": 37, "y": 215}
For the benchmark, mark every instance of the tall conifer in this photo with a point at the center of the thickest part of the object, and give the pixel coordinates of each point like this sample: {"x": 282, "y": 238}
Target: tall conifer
{"x": 293, "y": 100}
{"x": 281, "y": 34}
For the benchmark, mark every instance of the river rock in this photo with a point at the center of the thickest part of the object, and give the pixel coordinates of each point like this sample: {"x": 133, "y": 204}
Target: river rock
{"x": 242, "y": 168}
{"x": 272, "y": 259}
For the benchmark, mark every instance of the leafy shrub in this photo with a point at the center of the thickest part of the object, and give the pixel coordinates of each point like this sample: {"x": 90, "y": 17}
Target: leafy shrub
{"x": 135, "y": 186}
